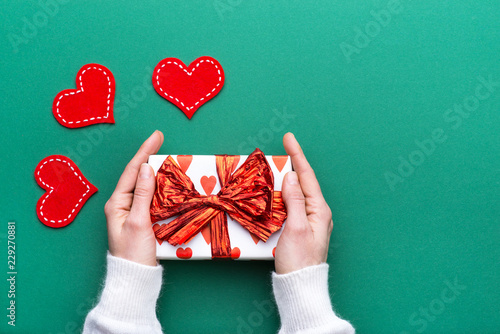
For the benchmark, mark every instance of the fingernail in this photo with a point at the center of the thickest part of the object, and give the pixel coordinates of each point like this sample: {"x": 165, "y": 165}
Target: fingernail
{"x": 145, "y": 172}
{"x": 291, "y": 178}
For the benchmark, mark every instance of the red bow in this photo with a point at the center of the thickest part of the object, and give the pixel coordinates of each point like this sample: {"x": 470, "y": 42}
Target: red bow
{"x": 247, "y": 196}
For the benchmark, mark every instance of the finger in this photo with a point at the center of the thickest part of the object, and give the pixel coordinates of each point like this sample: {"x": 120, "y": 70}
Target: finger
{"x": 143, "y": 194}
{"x": 296, "y": 222}
{"x": 308, "y": 181}
{"x": 127, "y": 181}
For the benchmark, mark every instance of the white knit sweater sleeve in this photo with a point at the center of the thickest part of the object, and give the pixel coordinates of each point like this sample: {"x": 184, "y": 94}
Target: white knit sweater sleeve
{"x": 128, "y": 301}
{"x": 304, "y": 303}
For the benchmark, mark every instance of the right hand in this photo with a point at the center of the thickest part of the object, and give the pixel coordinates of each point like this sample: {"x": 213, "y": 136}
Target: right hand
{"x": 306, "y": 234}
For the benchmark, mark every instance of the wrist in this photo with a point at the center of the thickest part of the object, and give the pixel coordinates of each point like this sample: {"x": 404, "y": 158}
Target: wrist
{"x": 303, "y": 300}
{"x": 145, "y": 260}
{"x": 131, "y": 291}
{"x": 288, "y": 268}
{"x": 294, "y": 262}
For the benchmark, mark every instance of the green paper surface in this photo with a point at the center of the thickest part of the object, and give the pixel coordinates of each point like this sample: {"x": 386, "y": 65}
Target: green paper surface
{"x": 388, "y": 100}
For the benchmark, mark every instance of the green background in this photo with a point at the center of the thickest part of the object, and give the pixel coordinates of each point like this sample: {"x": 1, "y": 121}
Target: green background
{"x": 357, "y": 113}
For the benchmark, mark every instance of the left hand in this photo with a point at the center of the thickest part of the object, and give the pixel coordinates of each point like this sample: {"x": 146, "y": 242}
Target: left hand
{"x": 130, "y": 235}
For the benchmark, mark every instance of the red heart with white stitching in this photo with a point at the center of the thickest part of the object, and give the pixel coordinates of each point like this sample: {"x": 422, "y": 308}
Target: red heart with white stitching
{"x": 91, "y": 102}
{"x": 188, "y": 87}
{"x": 67, "y": 190}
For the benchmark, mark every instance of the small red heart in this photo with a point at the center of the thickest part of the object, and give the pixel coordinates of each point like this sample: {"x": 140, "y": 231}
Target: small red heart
{"x": 274, "y": 252}
{"x": 255, "y": 238}
{"x": 184, "y": 253}
{"x": 208, "y": 184}
{"x": 206, "y": 234}
{"x": 155, "y": 228}
{"x": 67, "y": 190}
{"x": 235, "y": 253}
{"x": 184, "y": 161}
{"x": 91, "y": 102}
{"x": 188, "y": 88}
{"x": 280, "y": 161}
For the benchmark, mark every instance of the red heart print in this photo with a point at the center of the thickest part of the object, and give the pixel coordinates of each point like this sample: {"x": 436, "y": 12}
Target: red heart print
{"x": 184, "y": 253}
{"x": 255, "y": 238}
{"x": 155, "y": 228}
{"x": 188, "y": 87}
{"x": 208, "y": 184}
{"x": 206, "y": 234}
{"x": 235, "y": 253}
{"x": 91, "y": 102}
{"x": 274, "y": 252}
{"x": 67, "y": 190}
{"x": 184, "y": 162}
{"x": 280, "y": 161}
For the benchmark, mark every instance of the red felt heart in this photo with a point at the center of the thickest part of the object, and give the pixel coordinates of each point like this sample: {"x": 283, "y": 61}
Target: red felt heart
{"x": 235, "y": 253}
{"x": 67, "y": 190}
{"x": 184, "y": 253}
{"x": 184, "y": 162}
{"x": 280, "y": 161}
{"x": 91, "y": 102}
{"x": 156, "y": 227}
{"x": 188, "y": 88}
{"x": 208, "y": 184}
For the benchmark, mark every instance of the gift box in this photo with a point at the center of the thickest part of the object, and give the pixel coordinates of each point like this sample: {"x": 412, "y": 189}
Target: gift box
{"x": 218, "y": 206}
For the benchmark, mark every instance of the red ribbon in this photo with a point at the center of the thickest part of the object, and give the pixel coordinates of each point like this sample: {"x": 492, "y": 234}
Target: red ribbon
{"x": 247, "y": 196}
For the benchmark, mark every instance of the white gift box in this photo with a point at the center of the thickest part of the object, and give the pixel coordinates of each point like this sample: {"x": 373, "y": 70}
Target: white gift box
{"x": 202, "y": 171}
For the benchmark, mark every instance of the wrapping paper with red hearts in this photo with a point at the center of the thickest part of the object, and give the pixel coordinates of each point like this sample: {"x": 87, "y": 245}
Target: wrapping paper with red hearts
{"x": 202, "y": 171}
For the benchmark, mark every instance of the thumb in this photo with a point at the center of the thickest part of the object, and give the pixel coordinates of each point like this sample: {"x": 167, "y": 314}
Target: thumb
{"x": 295, "y": 202}
{"x": 143, "y": 195}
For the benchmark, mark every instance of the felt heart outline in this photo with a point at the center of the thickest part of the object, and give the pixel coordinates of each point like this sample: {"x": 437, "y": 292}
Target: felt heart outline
{"x": 67, "y": 93}
{"x": 189, "y": 70}
{"x": 49, "y": 190}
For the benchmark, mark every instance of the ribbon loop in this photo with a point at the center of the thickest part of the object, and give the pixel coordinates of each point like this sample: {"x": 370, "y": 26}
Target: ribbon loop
{"x": 247, "y": 196}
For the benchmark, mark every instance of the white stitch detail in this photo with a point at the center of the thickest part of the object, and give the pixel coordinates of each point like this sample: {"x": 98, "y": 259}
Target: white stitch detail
{"x": 52, "y": 189}
{"x": 80, "y": 90}
{"x": 188, "y": 73}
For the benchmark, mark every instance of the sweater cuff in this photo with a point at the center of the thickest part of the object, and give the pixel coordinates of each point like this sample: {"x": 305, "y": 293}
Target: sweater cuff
{"x": 304, "y": 302}
{"x": 130, "y": 291}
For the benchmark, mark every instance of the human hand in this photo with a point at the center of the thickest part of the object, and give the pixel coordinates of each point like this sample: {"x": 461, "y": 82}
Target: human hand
{"x": 306, "y": 234}
{"x": 130, "y": 235}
